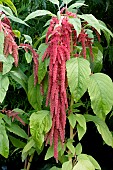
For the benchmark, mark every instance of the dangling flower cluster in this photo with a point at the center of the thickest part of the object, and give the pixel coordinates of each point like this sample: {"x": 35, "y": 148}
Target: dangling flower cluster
{"x": 10, "y": 46}
{"x": 13, "y": 115}
{"x": 35, "y": 60}
{"x": 58, "y": 40}
{"x": 85, "y": 42}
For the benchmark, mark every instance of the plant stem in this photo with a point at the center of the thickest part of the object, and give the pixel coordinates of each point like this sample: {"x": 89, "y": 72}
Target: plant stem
{"x": 71, "y": 129}
{"x": 29, "y": 162}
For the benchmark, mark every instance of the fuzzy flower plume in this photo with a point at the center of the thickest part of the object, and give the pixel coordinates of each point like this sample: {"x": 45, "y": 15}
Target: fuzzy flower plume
{"x": 85, "y": 42}
{"x": 10, "y": 46}
{"x": 35, "y": 60}
{"x": 58, "y": 40}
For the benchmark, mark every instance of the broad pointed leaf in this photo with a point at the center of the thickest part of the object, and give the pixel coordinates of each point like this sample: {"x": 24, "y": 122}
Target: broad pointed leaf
{"x": 78, "y": 149}
{"x": 55, "y": 168}
{"x": 7, "y": 65}
{"x": 42, "y": 69}
{"x": 77, "y": 5}
{"x": 89, "y": 158}
{"x": 78, "y": 71}
{"x": 18, "y": 20}
{"x": 28, "y": 146}
{"x": 104, "y": 28}
{"x": 81, "y": 120}
{"x": 102, "y": 128}
{"x": 34, "y": 94}
{"x": 72, "y": 120}
{"x": 67, "y": 1}
{"x": 10, "y": 4}
{"x": 84, "y": 165}
{"x": 1, "y": 42}
{"x": 70, "y": 147}
{"x": 16, "y": 142}
{"x": 67, "y": 165}
{"x": 6, "y": 10}
{"x": 19, "y": 77}
{"x": 40, "y": 124}
{"x": 17, "y": 130}
{"x": 76, "y": 22}
{"x": 92, "y": 21}
{"x": 96, "y": 63}
{"x": 28, "y": 57}
{"x": 37, "y": 13}
{"x": 4, "y": 84}
{"x": 100, "y": 90}
{"x": 80, "y": 131}
{"x": 4, "y": 142}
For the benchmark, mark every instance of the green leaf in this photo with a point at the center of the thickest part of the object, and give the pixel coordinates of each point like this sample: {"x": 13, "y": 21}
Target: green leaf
{"x": 94, "y": 162}
{"x": 34, "y": 95}
{"x": 41, "y": 49}
{"x": 78, "y": 149}
{"x": 1, "y": 116}
{"x": 72, "y": 120}
{"x": 55, "y": 168}
{"x": 37, "y": 13}
{"x": 105, "y": 29}
{"x": 16, "y": 142}
{"x": 80, "y": 131}
{"x": 78, "y": 71}
{"x": 8, "y": 64}
{"x": 102, "y": 129}
{"x": 4, "y": 84}
{"x": 77, "y": 5}
{"x": 28, "y": 146}
{"x": 92, "y": 21}
{"x": 1, "y": 43}
{"x": 42, "y": 69}
{"x": 18, "y": 20}
{"x": 96, "y": 63}
{"x": 10, "y": 4}
{"x": 89, "y": 158}
{"x": 40, "y": 124}
{"x": 55, "y": 2}
{"x": 4, "y": 142}
{"x": 76, "y": 22}
{"x": 67, "y": 1}
{"x": 19, "y": 77}
{"x": 101, "y": 94}
{"x": 81, "y": 120}
{"x": 6, "y": 10}
{"x": 18, "y": 110}
{"x": 2, "y": 58}
{"x": 7, "y": 120}
{"x": 17, "y": 130}
{"x": 70, "y": 147}
{"x": 67, "y": 165}
{"x": 49, "y": 153}
{"x": 84, "y": 165}
{"x": 28, "y": 39}
{"x": 28, "y": 57}
{"x": 17, "y": 33}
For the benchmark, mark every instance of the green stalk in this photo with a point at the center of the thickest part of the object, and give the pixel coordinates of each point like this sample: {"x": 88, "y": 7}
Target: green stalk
{"x": 29, "y": 162}
{"x": 71, "y": 129}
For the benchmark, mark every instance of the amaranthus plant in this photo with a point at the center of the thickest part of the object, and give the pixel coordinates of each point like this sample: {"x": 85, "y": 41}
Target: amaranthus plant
{"x": 66, "y": 68}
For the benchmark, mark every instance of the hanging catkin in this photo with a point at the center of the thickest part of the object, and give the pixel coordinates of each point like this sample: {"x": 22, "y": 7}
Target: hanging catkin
{"x": 58, "y": 40}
